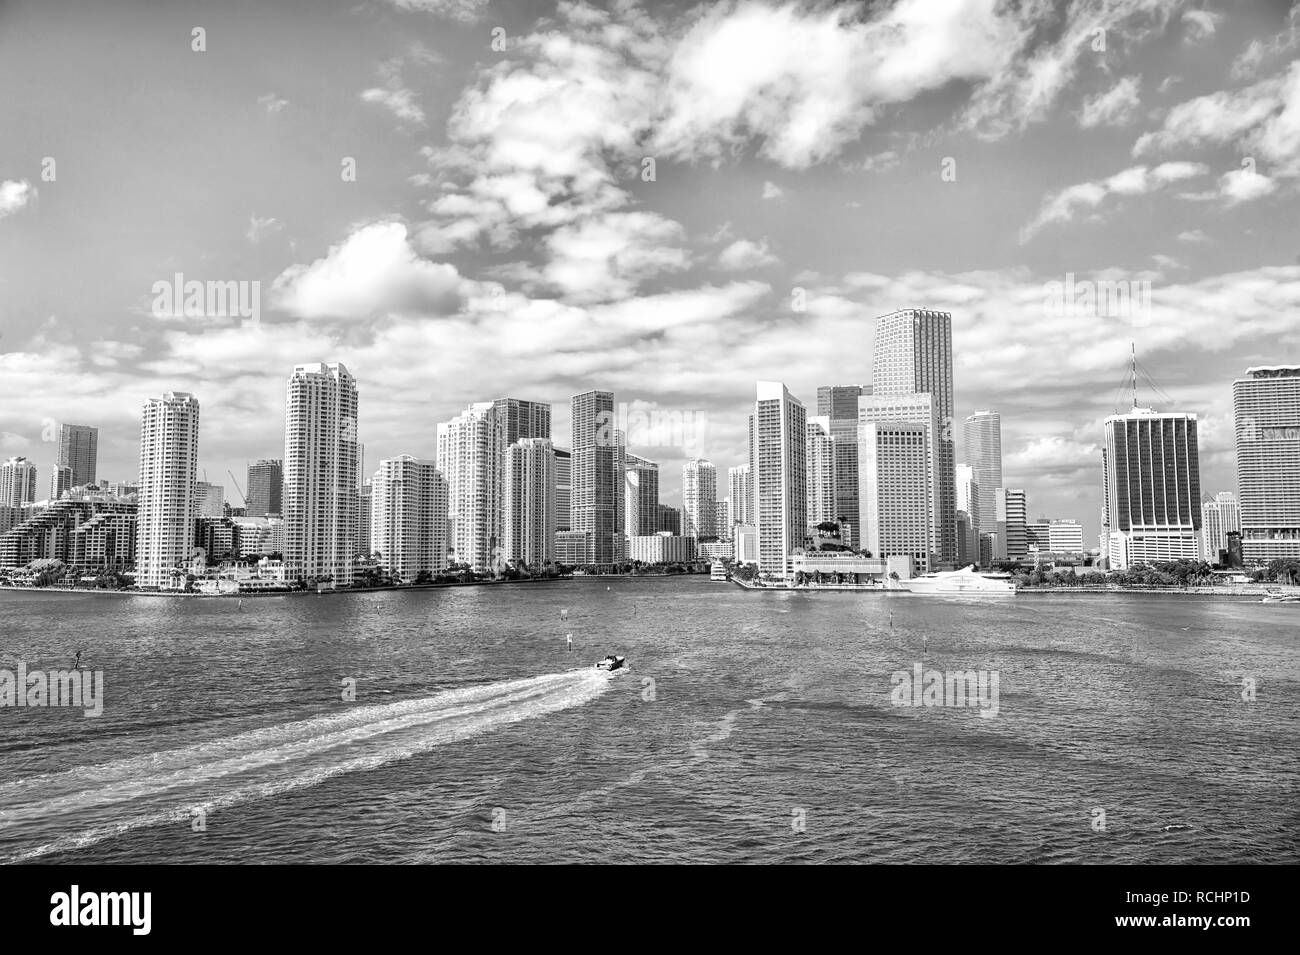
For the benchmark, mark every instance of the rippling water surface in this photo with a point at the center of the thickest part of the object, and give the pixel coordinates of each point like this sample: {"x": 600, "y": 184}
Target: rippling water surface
{"x": 753, "y": 727}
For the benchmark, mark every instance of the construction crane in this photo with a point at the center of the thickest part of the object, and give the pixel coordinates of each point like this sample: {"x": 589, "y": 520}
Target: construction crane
{"x": 237, "y": 487}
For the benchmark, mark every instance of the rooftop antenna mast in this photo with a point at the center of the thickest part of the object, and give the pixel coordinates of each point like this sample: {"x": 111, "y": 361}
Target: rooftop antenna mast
{"x": 1133, "y": 365}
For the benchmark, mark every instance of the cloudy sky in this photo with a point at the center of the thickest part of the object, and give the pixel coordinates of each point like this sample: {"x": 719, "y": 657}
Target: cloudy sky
{"x": 462, "y": 200}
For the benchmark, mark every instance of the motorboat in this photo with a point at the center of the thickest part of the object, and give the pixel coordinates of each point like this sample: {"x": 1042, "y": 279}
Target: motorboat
{"x": 612, "y": 662}
{"x": 1278, "y": 597}
{"x": 964, "y": 582}
{"x": 718, "y": 571}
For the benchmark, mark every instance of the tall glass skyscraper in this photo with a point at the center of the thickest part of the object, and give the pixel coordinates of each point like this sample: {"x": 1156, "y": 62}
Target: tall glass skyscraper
{"x": 596, "y": 480}
{"x": 79, "y": 450}
{"x": 1266, "y": 404}
{"x": 839, "y": 403}
{"x": 913, "y": 355}
{"x": 265, "y": 487}
{"x": 982, "y": 435}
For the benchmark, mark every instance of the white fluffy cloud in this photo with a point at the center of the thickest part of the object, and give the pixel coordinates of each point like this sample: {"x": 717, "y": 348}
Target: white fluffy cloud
{"x": 14, "y": 195}
{"x": 375, "y": 271}
{"x": 1116, "y": 106}
{"x": 1065, "y": 205}
{"x": 743, "y": 255}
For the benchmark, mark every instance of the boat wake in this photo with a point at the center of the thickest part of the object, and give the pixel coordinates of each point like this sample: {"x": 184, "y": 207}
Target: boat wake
{"x": 88, "y": 804}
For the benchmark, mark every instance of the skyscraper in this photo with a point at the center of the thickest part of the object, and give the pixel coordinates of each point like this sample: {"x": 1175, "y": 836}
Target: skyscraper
{"x": 822, "y": 486}
{"x": 839, "y": 403}
{"x": 740, "y": 491}
{"x": 60, "y": 481}
{"x": 320, "y": 473}
{"x": 1219, "y": 518}
{"x": 982, "y": 434}
{"x": 408, "y": 517}
{"x": 166, "y": 505}
{"x": 1152, "y": 477}
{"x": 1014, "y": 516}
{"x": 641, "y": 497}
{"x": 913, "y": 355}
{"x": 17, "y": 482}
{"x": 563, "y": 477}
{"x": 467, "y": 459}
{"x": 892, "y": 449}
{"x": 778, "y": 447}
{"x": 1267, "y": 408}
{"x": 79, "y": 450}
{"x": 596, "y": 481}
{"x": 209, "y": 499}
{"x": 529, "y": 488}
{"x": 967, "y": 503}
{"x": 513, "y": 420}
{"x": 699, "y": 497}
{"x": 265, "y": 487}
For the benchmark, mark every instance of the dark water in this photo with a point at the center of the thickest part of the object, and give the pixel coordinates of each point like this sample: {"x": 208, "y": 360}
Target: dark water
{"x": 475, "y": 737}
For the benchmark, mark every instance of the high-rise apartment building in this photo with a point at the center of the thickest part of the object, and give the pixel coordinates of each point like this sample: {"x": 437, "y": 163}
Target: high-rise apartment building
{"x": 60, "y": 481}
{"x": 1266, "y": 404}
{"x": 740, "y": 491}
{"x": 563, "y": 487}
{"x": 17, "y": 482}
{"x": 913, "y": 355}
{"x": 209, "y": 499}
{"x": 467, "y": 459}
{"x": 529, "y": 490}
{"x": 321, "y": 462}
{"x": 597, "y": 480}
{"x": 778, "y": 449}
{"x": 512, "y": 420}
{"x": 79, "y": 450}
{"x": 699, "y": 497}
{"x": 1152, "y": 477}
{"x": 822, "y": 486}
{"x": 640, "y": 496}
{"x": 1219, "y": 518}
{"x": 166, "y": 505}
{"x": 265, "y": 487}
{"x": 408, "y": 517}
{"x": 1014, "y": 516}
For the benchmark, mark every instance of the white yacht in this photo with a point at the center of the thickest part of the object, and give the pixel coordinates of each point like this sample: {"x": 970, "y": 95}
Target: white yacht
{"x": 965, "y": 581}
{"x": 718, "y": 571}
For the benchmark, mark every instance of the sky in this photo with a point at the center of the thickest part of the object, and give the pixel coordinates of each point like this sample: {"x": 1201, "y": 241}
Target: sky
{"x": 462, "y": 200}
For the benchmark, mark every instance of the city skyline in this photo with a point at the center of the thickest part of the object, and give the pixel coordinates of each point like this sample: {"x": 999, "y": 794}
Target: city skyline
{"x": 754, "y": 253}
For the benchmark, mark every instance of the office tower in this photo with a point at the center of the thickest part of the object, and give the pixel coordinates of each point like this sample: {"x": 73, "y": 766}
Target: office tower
{"x": 17, "y": 482}
{"x": 365, "y": 519}
{"x": 903, "y": 526}
{"x": 740, "y": 488}
{"x": 839, "y": 403}
{"x": 563, "y": 472}
{"x": 467, "y": 460}
{"x": 596, "y": 480}
{"x": 513, "y": 420}
{"x": 967, "y": 504}
{"x": 670, "y": 520}
{"x": 265, "y": 487}
{"x": 1267, "y": 408}
{"x": 60, "y": 481}
{"x": 1038, "y": 536}
{"x": 1152, "y": 477}
{"x": 982, "y": 435}
{"x": 1014, "y": 517}
{"x": 408, "y": 517}
{"x": 779, "y": 439}
{"x": 913, "y": 355}
{"x": 79, "y": 450}
{"x": 166, "y": 505}
{"x": 320, "y": 473}
{"x": 722, "y": 519}
{"x": 640, "y": 496}
{"x": 822, "y": 486}
{"x": 895, "y": 490}
{"x": 1065, "y": 537}
{"x": 529, "y": 489}
{"x": 699, "y": 497}
{"x": 620, "y": 495}
{"x": 1219, "y": 518}
{"x": 209, "y": 499}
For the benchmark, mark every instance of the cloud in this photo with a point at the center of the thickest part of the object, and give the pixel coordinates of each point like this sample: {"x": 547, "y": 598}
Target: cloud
{"x": 1201, "y": 24}
{"x": 1134, "y": 181}
{"x": 373, "y": 272}
{"x": 1258, "y": 52}
{"x": 1117, "y": 106}
{"x": 743, "y": 255}
{"x": 1263, "y": 120}
{"x": 1193, "y": 236}
{"x": 466, "y": 11}
{"x": 15, "y": 194}
{"x": 608, "y": 256}
{"x": 272, "y": 103}
{"x": 772, "y": 191}
{"x": 399, "y": 101}
{"x": 1236, "y": 187}
{"x": 258, "y": 228}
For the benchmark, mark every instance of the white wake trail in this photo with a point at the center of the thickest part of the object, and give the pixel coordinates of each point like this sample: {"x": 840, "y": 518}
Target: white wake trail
{"x": 167, "y": 786}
